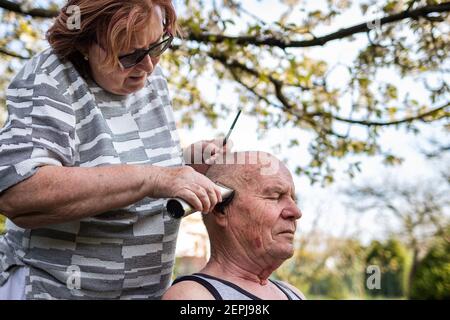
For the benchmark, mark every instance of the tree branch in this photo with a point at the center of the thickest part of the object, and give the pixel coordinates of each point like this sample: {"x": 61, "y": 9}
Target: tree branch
{"x": 439, "y": 152}
{"x": 36, "y": 13}
{"x": 278, "y": 84}
{"x": 318, "y": 41}
{"x": 12, "y": 54}
{"x": 387, "y": 123}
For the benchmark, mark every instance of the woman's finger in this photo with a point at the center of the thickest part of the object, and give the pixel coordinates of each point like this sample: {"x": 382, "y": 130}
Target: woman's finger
{"x": 209, "y": 150}
{"x": 213, "y": 199}
{"x": 228, "y": 146}
{"x": 212, "y": 159}
{"x": 191, "y": 198}
{"x": 218, "y": 193}
{"x": 202, "y": 195}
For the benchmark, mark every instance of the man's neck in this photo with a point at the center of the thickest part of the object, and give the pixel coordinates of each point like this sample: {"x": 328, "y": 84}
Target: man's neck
{"x": 241, "y": 272}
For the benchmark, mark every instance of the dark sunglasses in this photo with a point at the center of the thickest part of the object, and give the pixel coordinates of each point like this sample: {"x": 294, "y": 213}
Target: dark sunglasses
{"x": 154, "y": 51}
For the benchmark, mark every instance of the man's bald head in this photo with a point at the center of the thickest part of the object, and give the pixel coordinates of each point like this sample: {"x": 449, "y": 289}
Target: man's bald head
{"x": 241, "y": 170}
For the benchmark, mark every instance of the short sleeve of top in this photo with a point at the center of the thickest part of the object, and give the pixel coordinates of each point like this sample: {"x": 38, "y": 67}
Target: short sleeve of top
{"x": 40, "y": 126}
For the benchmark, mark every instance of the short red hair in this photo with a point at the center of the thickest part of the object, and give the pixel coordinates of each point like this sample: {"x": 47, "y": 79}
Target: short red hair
{"x": 109, "y": 22}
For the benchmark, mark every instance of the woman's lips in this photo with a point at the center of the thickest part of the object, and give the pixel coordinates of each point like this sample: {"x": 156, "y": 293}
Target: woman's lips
{"x": 138, "y": 78}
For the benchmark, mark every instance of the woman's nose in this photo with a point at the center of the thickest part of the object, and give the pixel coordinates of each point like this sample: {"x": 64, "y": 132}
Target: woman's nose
{"x": 147, "y": 64}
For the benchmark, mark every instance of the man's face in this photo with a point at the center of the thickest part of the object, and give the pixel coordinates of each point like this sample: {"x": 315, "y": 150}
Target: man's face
{"x": 266, "y": 214}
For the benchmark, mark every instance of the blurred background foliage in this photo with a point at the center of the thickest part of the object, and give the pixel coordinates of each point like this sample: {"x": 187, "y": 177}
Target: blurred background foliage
{"x": 2, "y": 224}
{"x": 340, "y": 272}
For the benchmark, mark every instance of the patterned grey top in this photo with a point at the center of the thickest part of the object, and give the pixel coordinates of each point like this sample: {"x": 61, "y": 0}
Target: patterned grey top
{"x": 56, "y": 117}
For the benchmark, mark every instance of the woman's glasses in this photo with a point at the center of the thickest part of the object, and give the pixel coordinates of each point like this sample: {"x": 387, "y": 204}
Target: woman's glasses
{"x": 154, "y": 51}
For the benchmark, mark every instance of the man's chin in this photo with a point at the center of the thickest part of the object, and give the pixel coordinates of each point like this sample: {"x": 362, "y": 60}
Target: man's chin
{"x": 286, "y": 252}
{"x": 289, "y": 254}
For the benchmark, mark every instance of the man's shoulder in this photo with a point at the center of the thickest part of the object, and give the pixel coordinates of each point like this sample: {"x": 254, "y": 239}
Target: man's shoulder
{"x": 187, "y": 289}
{"x": 292, "y": 288}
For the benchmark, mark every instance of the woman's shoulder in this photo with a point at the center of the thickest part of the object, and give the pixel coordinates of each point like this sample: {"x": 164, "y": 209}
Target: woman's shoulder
{"x": 42, "y": 61}
{"x": 43, "y": 64}
{"x": 44, "y": 78}
{"x": 44, "y": 72}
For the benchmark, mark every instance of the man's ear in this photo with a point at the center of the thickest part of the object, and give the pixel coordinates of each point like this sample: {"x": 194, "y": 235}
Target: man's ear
{"x": 221, "y": 215}
{"x": 220, "y": 207}
{"x": 221, "y": 211}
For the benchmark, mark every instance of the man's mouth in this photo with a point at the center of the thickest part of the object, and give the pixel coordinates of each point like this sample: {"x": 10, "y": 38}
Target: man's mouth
{"x": 287, "y": 232}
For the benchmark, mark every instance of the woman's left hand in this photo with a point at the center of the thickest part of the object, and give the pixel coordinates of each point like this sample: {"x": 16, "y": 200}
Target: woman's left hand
{"x": 201, "y": 154}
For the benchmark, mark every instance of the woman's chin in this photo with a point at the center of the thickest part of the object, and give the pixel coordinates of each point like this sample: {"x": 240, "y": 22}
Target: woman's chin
{"x": 134, "y": 84}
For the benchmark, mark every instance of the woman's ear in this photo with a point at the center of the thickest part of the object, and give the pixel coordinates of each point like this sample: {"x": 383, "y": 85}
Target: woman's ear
{"x": 83, "y": 51}
{"x": 85, "y": 48}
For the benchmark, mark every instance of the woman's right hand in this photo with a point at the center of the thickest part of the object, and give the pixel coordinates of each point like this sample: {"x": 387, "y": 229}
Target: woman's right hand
{"x": 187, "y": 184}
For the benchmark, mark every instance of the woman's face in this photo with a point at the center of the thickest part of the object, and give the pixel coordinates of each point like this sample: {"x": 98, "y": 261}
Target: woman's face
{"x": 122, "y": 81}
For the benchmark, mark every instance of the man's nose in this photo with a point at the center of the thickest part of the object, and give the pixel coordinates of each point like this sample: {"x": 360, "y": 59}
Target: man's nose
{"x": 292, "y": 211}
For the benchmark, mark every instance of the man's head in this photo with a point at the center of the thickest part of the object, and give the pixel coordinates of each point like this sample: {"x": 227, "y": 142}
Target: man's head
{"x": 261, "y": 219}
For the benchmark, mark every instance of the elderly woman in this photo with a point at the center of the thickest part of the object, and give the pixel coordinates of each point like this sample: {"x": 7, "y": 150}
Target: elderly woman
{"x": 87, "y": 156}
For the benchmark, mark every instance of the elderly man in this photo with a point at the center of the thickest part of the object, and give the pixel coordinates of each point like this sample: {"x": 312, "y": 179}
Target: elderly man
{"x": 250, "y": 237}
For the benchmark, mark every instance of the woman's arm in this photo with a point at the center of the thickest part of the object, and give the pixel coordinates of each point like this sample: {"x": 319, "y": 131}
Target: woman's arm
{"x": 61, "y": 194}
